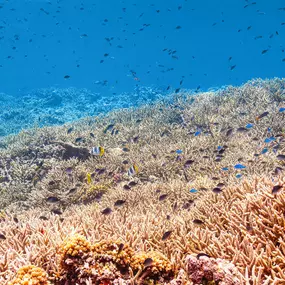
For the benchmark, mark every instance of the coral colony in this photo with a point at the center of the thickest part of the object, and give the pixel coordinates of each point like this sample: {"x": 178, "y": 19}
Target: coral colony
{"x": 186, "y": 190}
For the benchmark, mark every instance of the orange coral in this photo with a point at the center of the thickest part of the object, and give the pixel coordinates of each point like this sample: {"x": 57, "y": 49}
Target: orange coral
{"x": 30, "y": 275}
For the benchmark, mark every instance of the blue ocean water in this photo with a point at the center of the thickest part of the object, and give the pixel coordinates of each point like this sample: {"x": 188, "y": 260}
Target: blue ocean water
{"x": 111, "y": 48}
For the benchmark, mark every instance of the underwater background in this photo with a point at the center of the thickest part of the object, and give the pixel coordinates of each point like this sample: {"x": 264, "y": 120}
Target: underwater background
{"x": 142, "y": 142}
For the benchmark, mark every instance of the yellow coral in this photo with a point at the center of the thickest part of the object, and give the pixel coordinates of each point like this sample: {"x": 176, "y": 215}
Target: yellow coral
{"x": 120, "y": 253}
{"x": 160, "y": 264}
{"x": 30, "y": 275}
{"x": 75, "y": 246}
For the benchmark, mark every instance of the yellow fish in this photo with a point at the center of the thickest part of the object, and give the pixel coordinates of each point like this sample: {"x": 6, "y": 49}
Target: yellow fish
{"x": 88, "y": 176}
{"x": 98, "y": 150}
{"x": 133, "y": 170}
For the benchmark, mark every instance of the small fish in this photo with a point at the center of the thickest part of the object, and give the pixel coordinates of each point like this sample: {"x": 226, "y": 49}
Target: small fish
{"x": 282, "y": 109}
{"x": 92, "y": 135}
{"x": 278, "y": 170}
{"x": 79, "y": 139}
{"x": 276, "y": 189}
{"x": 265, "y": 150}
{"x": 162, "y": 197}
{"x": 2, "y": 237}
{"x": 108, "y": 128}
{"x": 178, "y": 151}
{"x": 225, "y": 168}
{"x": 119, "y": 203}
{"x": 202, "y": 254}
{"x": 43, "y": 218}
{"x": 66, "y": 77}
{"x": 281, "y": 156}
{"x": 166, "y": 235}
{"x": 264, "y": 51}
{"x": 217, "y": 190}
{"x": 132, "y": 183}
{"x": 70, "y": 130}
{"x": 238, "y": 175}
{"x": 98, "y": 150}
{"x": 188, "y": 163}
{"x": 125, "y": 149}
{"x": 249, "y": 126}
{"x": 262, "y": 116}
{"x": 127, "y": 187}
{"x": 193, "y": 190}
{"x": 106, "y": 211}
{"x": 239, "y": 166}
{"x": 133, "y": 170}
{"x": 269, "y": 140}
{"x": 148, "y": 262}
{"x": 52, "y": 199}
{"x": 15, "y": 219}
{"x": 197, "y": 133}
{"x": 88, "y": 177}
{"x": 242, "y": 130}
{"x": 68, "y": 170}
{"x": 229, "y": 132}
{"x": 121, "y": 247}
{"x": 198, "y": 222}
{"x": 56, "y": 211}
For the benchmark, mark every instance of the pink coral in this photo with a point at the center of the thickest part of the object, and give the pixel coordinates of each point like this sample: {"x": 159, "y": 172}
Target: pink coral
{"x": 207, "y": 269}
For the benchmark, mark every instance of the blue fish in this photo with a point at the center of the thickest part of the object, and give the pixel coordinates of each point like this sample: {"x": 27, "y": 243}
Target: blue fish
{"x": 225, "y": 168}
{"x": 269, "y": 129}
{"x": 268, "y": 140}
{"x": 265, "y": 150}
{"x": 193, "y": 190}
{"x": 219, "y": 147}
{"x": 238, "y": 175}
{"x": 239, "y": 166}
{"x": 249, "y": 126}
{"x": 178, "y": 151}
{"x": 282, "y": 109}
{"x": 197, "y": 133}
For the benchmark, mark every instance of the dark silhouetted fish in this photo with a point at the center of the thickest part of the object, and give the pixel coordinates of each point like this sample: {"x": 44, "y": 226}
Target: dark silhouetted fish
{"x": 162, "y": 197}
{"x": 148, "y": 262}
{"x": 276, "y": 189}
{"x": 119, "y": 203}
{"x": 202, "y": 254}
{"x": 52, "y": 199}
{"x": 107, "y": 211}
{"x": 166, "y": 235}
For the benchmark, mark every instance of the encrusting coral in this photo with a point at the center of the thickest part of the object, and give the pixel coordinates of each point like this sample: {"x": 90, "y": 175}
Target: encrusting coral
{"x": 30, "y": 275}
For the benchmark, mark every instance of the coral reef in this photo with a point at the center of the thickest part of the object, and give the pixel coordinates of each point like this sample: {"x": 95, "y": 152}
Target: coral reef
{"x": 210, "y": 180}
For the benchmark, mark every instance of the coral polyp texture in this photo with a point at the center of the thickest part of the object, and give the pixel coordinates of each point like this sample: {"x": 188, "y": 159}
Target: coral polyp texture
{"x": 186, "y": 190}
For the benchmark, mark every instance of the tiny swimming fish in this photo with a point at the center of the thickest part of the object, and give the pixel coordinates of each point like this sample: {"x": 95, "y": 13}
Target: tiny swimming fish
{"x": 88, "y": 177}
{"x": 148, "y": 262}
{"x": 202, "y": 254}
{"x": 178, "y": 151}
{"x": 262, "y": 116}
{"x": 269, "y": 140}
{"x": 106, "y": 211}
{"x": 276, "y": 189}
{"x": 238, "y": 175}
{"x": 281, "y": 110}
{"x": 52, "y": 199}
{"x": 225, "y": 168}
{"x": 133, "y": 170}
{"x": 249, "y": 126}
{"x": 265, "y": 150}
{"x": 98, "y": 150}
{"x": 108, "y": 128}
{"x": 166, "y": 235}
{"x": 197, "y": 133}
{"x": 193, "y": 190}
{"x": 281, "y": 156}
{"x": 239, "y": 166}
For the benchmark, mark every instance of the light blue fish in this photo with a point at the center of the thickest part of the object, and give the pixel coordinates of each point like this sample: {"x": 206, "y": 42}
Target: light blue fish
{"x": 193, "y": 190}
{"x": 238, "y": 175}
{"x": 249, "y": 126}
{"x": 282, "y": 109}
{"x": 225, "y": 169}
{"x": 239, "y": 166}
{"x": 265, "y": 150}
{"x": 178, "y": 151}
{"x": 269, "y": 140}
{"x": 197, "y": 133}
{"x": 220, "y": 147}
